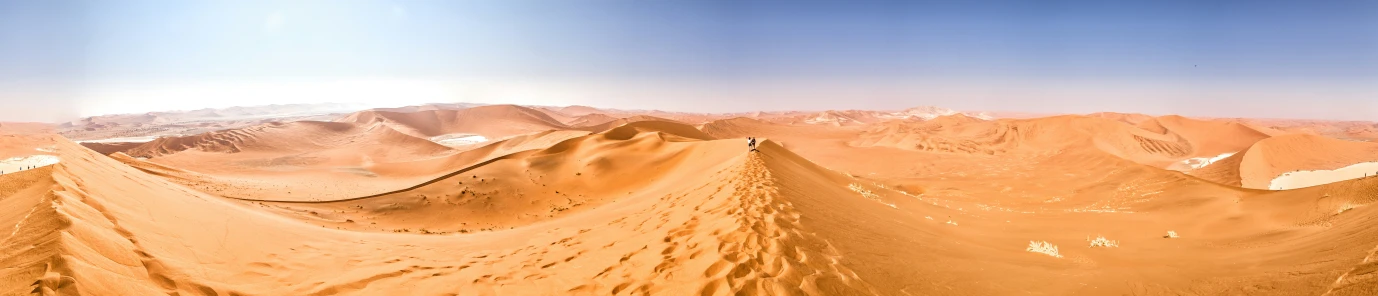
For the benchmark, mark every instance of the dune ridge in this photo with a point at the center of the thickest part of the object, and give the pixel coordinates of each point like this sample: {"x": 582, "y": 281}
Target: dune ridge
{"x": 1265, "y": 160}
{"x": 1158, "y": 141}
{"x": 758, "y": 244}
{"x": 492, "y": 121}
{"x": 662, "y": 207}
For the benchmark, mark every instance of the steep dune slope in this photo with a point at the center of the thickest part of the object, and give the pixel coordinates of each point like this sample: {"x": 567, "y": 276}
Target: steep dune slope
{"x": 740, "y": 127}
{"x": 275, "y": 160}
{"x": 666, "y": 214}
{"x": 1130, "y": 118}
{"x": 494, "y": 121}
{"x": 295, "y": 137}
{"x": 590, "y": 119}
{"x": 535, "y": 140}
{"x": 1209, "y": 137}
{"x": 719, "y": 232}
{"x": 527, "y": 186}
{"x": 1050, "y": 133}
{"x": 1257, "y": 166}
{"x": 606, "y": 125}
{"x": 108, "y": 148}
{"x": 270, "y": 174}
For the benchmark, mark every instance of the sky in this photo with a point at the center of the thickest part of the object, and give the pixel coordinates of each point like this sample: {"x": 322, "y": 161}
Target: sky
{"x": 1277, "y": 59}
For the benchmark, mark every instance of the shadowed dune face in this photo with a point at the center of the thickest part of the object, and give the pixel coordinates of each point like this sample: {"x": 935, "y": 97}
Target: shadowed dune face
{"x": 952, "y": 205}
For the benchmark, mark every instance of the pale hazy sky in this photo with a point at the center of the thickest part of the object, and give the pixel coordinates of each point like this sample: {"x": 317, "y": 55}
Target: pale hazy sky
{"x": 1298, "y": 59}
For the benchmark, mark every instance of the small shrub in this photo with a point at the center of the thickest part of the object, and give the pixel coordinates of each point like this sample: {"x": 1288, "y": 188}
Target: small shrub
{"x": 1101, "y": 241}
{"x": 1043, "y": 247}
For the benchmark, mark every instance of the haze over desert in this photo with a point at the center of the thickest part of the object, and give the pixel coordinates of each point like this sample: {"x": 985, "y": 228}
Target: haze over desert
{"x": 533, "y": 147}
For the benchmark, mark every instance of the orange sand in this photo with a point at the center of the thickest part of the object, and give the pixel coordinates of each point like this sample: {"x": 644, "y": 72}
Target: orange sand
{"x": 954, "y": 205}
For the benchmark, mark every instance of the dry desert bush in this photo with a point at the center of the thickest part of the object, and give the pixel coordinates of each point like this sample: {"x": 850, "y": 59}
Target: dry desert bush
{"x": 1101, "y": 241}
{"x": 1043, "y": 247}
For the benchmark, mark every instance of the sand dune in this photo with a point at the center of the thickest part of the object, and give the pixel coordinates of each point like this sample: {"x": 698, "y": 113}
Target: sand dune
{"x": 25, "y": 128}
{"x": 494, "y": 122}
{"x": 1130, "y": 118}
{"x": 591, "y": 119}
{"x": 1346, "y": 130}
{"x": 111, "y": 147}
{"x": 1305, "y": 178}
{"x": 962, "y": 135}
{"x": 17, "y": 164}
{"x": 570, "y": 114}
{"x": 268, "y": 160}
{"x": 594, "y": 125}
{"x": 239, "y": 175}
{"x": 641, "y": 209}
{"x": 864, "y": 117}
{"x": 1159, "y": 142}
{"x": 577, "y": 110}
{"x": 1259, "y": 165}
{"x": 112, "y": 227}
{"x": 300, "y": 136}
{"x": 26, "y": 145}
{"x": 1209, "y": 137}
{"x": 135, "y": 127}
{"x": 429, "y": 107}
{"x": 948, "y": 205}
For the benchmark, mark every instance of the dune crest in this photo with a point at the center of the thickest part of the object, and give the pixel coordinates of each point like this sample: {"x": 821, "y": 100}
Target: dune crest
{"x": 655, "y": 206}
{"x": 730, "y": 233}
{"x": 1158, "y": 142}
{"x": 492, "y": 121}
{"x": 1264, "y": 161}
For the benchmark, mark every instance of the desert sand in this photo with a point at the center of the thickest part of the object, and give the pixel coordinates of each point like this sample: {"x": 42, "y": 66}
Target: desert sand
{"x": 1264, "y": 161}
{"x": 586, "y": 201}
{"x": 1299, "y": 179}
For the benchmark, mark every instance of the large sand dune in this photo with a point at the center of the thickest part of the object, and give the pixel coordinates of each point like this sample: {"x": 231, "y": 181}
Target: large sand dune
{"x": 1268, "y": 159}
{"x": 1159, "y": 141}
{"x": 25, "y": 128}
{"x": 495, "y": 121}
{"x": 274, "y": 160}
{"x": 949, "y": 205}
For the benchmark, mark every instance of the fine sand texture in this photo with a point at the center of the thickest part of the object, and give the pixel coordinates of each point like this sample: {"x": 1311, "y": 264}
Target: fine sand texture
{"x": 642, "y": 204}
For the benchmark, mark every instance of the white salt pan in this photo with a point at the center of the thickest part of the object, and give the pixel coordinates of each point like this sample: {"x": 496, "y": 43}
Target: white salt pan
{"x": 454, "y": 140}
{"x": 143, "y": 139}
{"x": 1301, "y": 179}
{"x": 14, "y": 164}
{"x": 1201, "y": 162}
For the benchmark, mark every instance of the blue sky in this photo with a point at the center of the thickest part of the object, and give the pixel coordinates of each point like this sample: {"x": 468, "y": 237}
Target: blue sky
{"x": 61, "y": 59}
